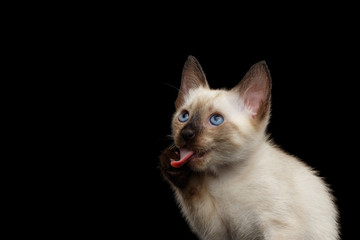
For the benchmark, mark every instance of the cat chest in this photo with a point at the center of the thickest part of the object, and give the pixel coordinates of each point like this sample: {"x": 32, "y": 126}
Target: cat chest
{"x": 233, "y": 204}
{"x": 222, "y": 207}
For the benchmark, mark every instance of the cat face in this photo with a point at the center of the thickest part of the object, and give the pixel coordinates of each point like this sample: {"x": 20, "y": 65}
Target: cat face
{"x": 213, "y": 128}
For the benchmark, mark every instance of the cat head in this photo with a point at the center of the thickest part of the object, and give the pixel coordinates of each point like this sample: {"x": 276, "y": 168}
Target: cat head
{"x": 215, "y": 127}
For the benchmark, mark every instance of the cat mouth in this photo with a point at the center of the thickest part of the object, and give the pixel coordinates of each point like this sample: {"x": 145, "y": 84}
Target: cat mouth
{"x": 186, "y": 155}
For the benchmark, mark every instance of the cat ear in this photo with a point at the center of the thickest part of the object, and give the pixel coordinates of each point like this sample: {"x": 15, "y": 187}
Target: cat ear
{"x": 192, "y": 77}
{"x": 255, "y": 90}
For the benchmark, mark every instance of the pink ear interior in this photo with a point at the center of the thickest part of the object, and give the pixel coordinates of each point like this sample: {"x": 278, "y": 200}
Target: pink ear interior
{"x": 253, "y": 98}
{"x": 255, "y": 89}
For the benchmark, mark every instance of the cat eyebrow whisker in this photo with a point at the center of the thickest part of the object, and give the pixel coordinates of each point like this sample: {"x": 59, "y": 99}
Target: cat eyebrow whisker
{"x": 172, "y": 86}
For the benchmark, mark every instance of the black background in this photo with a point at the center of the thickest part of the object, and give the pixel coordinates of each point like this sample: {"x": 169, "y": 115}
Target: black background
{"x": 121, "y": 82}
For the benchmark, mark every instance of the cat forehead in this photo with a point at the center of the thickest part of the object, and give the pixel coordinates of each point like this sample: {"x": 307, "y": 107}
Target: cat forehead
{"x": 208, "y": 99}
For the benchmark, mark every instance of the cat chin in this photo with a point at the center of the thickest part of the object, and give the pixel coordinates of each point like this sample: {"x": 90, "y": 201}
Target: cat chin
{"x": 200, "y": 163}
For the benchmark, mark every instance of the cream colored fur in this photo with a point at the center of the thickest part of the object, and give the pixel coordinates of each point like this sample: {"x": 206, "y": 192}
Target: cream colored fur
{"x": 245, "y": 187}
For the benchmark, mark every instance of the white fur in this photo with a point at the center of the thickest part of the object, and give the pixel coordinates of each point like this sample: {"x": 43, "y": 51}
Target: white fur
{"x": 245, "y": 187}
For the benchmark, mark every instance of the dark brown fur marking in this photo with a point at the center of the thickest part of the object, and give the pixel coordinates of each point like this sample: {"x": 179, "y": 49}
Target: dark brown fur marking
{"x": 177, "y": 176}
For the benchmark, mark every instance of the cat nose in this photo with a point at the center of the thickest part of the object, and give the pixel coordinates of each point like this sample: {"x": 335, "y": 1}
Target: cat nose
{"x": 187, "y": 133}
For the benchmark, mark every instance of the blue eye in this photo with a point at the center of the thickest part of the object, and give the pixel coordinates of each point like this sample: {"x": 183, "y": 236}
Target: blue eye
{"x": 184, "y": 116}
{"x": 216, "y": 119}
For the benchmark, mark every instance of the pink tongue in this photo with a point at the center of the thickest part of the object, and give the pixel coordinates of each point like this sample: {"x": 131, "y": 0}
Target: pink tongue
{"x": 185, "y": 154}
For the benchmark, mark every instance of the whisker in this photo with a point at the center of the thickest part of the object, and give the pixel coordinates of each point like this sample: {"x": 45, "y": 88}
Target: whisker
{"x": 172, "y": 86}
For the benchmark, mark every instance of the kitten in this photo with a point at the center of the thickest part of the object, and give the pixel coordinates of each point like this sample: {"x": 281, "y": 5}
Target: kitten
{"x": 230, "y": 180}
